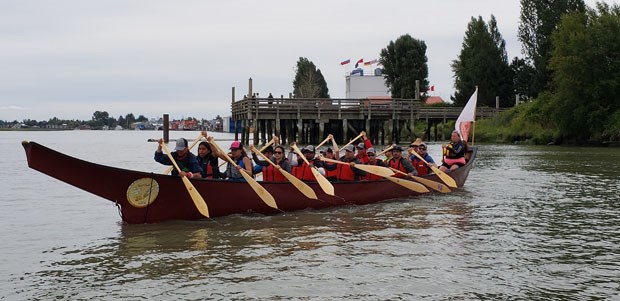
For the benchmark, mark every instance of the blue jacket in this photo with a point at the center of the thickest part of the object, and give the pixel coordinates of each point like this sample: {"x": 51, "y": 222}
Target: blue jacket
{"x": 189, "y": 164}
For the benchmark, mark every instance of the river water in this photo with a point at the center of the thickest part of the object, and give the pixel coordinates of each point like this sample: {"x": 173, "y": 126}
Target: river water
{"x": 531, "y": 223}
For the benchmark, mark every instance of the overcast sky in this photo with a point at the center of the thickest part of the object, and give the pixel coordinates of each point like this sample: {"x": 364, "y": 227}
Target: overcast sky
{"x": 69, "y": 58}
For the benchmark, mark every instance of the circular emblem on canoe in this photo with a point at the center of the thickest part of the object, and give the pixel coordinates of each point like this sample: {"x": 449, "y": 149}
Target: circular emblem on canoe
{"x": 142, "y": 192}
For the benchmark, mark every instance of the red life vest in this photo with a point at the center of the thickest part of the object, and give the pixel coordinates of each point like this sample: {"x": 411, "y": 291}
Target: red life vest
{"x": 303, "y": 172}
{"x": 331, "y": 174}
{"x": 420, "y": 166}
{"x": 371, "y": 176}
{"x": 208, "y": 171}
{"x": 345, "y": 173}
{"x": 398, "y": 165}
{"x": 271, "y": 174}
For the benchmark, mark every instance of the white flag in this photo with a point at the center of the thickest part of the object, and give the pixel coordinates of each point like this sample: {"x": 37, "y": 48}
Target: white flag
{"x": 468, "y": 115}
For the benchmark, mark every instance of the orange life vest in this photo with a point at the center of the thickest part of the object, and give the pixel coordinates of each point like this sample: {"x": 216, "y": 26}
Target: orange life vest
{"x": 345, "y": 173}
{"x": 303, "y": 172}
{"x": 271, "y": 174}
{"x": 420, "y": 166}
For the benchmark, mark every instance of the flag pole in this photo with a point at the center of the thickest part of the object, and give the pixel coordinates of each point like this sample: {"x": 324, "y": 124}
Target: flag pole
{"x": 473, "y": 132}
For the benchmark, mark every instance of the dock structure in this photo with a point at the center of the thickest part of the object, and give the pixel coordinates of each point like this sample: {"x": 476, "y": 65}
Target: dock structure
{"x": 310, "y": 120}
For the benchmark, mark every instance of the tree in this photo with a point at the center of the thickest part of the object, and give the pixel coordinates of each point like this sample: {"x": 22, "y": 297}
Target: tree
{"x": 586, "y": 72}
{"x": 309, "y": 81}
{"x": 538, "y": 20}
{"x": 483, "y": 62}
{"x": 100, "y": 118}
{"x": 522, "y": 75}
{"x": 404, "y": 61}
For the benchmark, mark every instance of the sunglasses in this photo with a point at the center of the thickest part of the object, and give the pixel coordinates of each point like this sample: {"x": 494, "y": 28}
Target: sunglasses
{"x": 277, "y": 152}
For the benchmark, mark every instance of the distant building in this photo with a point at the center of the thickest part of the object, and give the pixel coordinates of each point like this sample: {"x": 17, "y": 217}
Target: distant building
{"x": 431, "y": 100}
{"x": 359, "y": 85}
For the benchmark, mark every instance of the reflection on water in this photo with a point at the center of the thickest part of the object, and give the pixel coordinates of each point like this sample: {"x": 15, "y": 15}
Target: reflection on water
{"x": 531, "y": 223}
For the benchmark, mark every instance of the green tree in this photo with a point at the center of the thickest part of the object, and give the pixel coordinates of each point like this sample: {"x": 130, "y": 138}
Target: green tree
{"x": 538, "y": 20}
{"x": 522, "y": 75}
{"x": 100, "y": 118}
{"x": 309, "y": 81}
{"x": 586, "y": 79}
{"x": 483, "y": 62}
{"x": 404, "y": 61}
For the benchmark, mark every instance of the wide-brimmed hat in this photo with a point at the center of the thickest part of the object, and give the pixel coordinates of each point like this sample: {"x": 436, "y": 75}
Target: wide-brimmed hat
{"x": 417, "y": 142}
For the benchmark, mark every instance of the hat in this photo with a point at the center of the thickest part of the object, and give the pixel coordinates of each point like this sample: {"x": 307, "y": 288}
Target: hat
{"x": 181, "y": 144}
{"x": 326, "y": 150}
{"x": 371, "y": 151}
{"x": 361, "y": 145}
{"x": 308, "y": 149}
{"x": 417, "y": 142}
{"x": 423, "y": 144}
{"x": 397, "y": 148}
{"x": 349, "y": 148}
{"x": 236, "y": 145}
{"x": 269, "y": 149}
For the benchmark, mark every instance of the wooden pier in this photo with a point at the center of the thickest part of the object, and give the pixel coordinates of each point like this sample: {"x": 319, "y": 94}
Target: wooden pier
{"x": 310, "y": 120}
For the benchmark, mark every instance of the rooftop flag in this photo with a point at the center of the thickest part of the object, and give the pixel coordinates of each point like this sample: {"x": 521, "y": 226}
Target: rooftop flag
{"x": 370, "y": 62}
{"x": 358, "y": 62}
{"x": 345, "y": 62}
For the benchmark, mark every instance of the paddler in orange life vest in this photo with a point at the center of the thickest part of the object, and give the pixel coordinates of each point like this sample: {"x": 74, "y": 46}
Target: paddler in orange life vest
{"x": 208, "y": 160}
{"x": 300, "y": 169}
{"x": 453, "y": 153}
{"x": 271, "y": 173}
{"x": 330, "y": 153}
{"x": 372, "y": 160}
{"x": 348, "y": 172}
{"x": 362, "y": 147}
{"x": 400, "y": 163}
{"x": 418, "y": 164}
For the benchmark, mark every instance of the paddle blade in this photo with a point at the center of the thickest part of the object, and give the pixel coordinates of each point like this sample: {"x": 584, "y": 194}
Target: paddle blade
{"x": 374, "y": 169}
{"x": 300, "y": 185}
{"x": 432, "y": 184}
{"x": 417, "y": 187}
{"x": 323, "y": 182}
{"x": 444, "y": 177}
{"x": 199, "y": 202}
{"x": 261, "y": 191}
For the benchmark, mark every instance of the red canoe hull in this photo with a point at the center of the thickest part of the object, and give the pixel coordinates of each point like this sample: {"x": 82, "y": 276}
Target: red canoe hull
{"x": 222, "y": 197}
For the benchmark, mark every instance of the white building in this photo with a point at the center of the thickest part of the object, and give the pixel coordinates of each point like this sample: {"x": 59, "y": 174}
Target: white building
{"x": 363, "y": 86}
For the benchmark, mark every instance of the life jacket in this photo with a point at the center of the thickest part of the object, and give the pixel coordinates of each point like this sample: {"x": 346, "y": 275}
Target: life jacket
{"x": 303, "y": 172}
{"x": 399, "y": 166}
{"x": 233, "y": 173}
{"x": 371, "y": 176}
{"x": 364, "y": 159}
{"x": 272, "y": 174}
{"x": 205, "y": 163}
{"x": 345, "y": 173}
{"x": 420, "y": 166}
{"x": 331, "y": 175}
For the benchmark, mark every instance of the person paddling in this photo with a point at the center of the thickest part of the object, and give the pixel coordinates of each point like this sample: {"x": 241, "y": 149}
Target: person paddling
{"x": 186, "y": 161}
{"x": 372, "y": 160}
{"x": 244, "y": 164}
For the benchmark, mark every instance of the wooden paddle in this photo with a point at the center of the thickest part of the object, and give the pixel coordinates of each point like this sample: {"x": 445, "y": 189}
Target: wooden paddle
{"x": 327, "y": 187}
{"x": 260, "y": 191}
{"x": 353, "y": 140}
{"x": 386, "y": 173}
{"x": 428, "y": 183}
{"x": 199, "y": 202}
{"x": 299, "y": 184}
{"x": 169, "y": 169}
{"x": 442, "y": 175}
{"x": 385, "y": 151}
{"x": 321, "y": 144}
{"x": 373, "y": 169}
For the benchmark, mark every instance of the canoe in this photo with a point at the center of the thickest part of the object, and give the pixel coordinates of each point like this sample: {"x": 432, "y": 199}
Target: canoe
{"x": 145, "y": 197}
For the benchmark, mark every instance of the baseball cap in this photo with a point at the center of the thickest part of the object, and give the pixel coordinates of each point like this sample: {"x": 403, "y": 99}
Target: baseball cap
{"x": 397, "y": 148}
{"x": 371, "y": 151}
{"x": 349, "y": 148}
{"x": 235, "y": 145}
{"x": 308, "y": 149}
{"x": 361, "y": 145}
{"x": 181, "y": 144}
